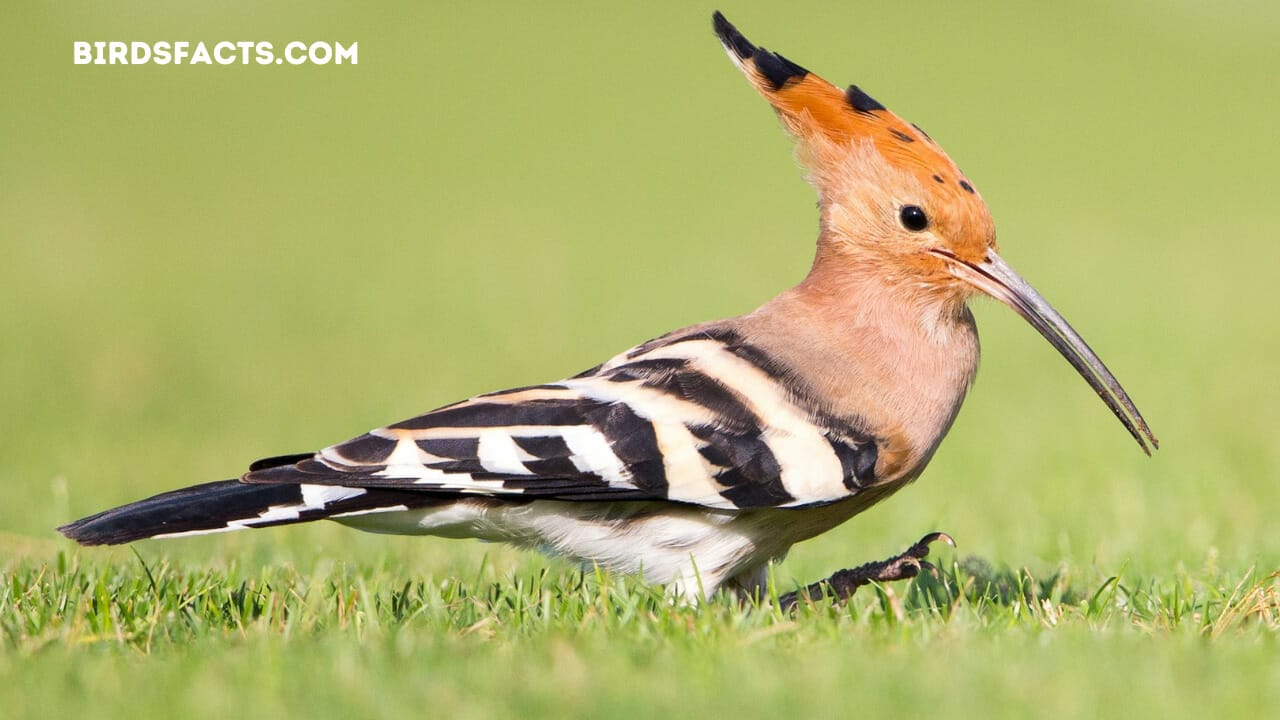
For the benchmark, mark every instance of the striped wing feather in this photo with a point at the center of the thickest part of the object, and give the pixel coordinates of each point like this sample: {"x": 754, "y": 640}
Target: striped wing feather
{"x": 697, "y": 418}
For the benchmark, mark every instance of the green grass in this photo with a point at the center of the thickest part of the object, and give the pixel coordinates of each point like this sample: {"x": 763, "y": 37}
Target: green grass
{"x": 338, "y": 640}
{"x": 202, "y": 266}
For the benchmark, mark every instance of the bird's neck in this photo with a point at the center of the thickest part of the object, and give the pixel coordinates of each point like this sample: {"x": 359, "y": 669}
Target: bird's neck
{"x": 898, "y": 361}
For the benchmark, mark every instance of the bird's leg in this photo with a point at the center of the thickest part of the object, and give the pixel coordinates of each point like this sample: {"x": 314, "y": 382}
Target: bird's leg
{"x": 841, "y": 585}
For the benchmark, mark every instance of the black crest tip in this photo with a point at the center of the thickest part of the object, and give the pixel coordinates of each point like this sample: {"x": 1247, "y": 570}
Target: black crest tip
{"x": 776, "y": 69}
{"x": 730, "y": 36}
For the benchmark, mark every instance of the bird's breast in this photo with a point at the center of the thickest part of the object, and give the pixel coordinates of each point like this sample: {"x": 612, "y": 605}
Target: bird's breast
{"x": 887, "y": 376}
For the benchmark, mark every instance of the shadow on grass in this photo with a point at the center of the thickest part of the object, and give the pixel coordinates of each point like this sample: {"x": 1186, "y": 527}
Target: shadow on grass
{"x": 977, "y": 581}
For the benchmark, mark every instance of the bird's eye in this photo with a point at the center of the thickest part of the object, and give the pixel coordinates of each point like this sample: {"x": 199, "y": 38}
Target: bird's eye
{"x": 913, "y": 218}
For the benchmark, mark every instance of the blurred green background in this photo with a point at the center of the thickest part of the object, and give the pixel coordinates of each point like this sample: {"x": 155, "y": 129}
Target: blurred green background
{"x": 203, "y": 265}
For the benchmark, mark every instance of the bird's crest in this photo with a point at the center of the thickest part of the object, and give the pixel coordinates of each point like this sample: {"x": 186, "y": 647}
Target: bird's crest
{"x": 821, "y": 115}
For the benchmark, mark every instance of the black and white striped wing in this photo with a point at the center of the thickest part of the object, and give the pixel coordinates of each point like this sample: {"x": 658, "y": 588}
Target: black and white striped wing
{"x": 700, "y": 418}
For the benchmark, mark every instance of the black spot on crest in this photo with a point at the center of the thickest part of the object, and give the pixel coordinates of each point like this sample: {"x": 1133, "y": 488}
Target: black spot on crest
{"x": 967, "y": 187}
{"x": 937, "y": 178}
{"x": 861, "y": 101}
{"x": 777, "y": 69}
{"x": 902, "y": 136}
{"x": 922, "y": 132}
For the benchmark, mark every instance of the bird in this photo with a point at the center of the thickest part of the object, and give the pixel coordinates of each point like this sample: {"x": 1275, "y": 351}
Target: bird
{"x": 697, "y": 458}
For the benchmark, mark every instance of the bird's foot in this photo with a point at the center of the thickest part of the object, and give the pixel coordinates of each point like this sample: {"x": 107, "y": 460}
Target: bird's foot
{"x": 841, "y": 585}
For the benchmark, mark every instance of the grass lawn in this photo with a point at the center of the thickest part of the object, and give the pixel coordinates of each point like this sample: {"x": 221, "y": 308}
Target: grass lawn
{"x": 206, "y": 265}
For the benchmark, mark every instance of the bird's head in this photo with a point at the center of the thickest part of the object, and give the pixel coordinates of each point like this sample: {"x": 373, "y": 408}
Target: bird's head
{"x": 895, "y": 206}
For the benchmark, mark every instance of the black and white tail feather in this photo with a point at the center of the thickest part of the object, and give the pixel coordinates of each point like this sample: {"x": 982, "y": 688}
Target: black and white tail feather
{"x": 226, "y": 505}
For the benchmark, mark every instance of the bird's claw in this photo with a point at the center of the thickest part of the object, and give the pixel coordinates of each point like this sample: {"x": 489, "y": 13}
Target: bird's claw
{"x": 934, "y": 537}
{"x": 841, "y": 585}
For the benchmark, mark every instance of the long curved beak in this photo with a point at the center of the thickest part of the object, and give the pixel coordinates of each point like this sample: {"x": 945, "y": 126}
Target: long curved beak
{"x": 995, "y": 278}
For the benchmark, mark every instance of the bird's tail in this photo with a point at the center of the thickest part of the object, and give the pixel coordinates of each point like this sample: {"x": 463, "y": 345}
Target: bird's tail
{"x": 230, "y": 505}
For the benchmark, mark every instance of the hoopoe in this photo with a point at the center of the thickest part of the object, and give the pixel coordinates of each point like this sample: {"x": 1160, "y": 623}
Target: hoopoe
{"x": 697, "y": 458}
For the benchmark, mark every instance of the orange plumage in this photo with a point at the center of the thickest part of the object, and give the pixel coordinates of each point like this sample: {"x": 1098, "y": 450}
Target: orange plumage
{"x": 831, "y": 123}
